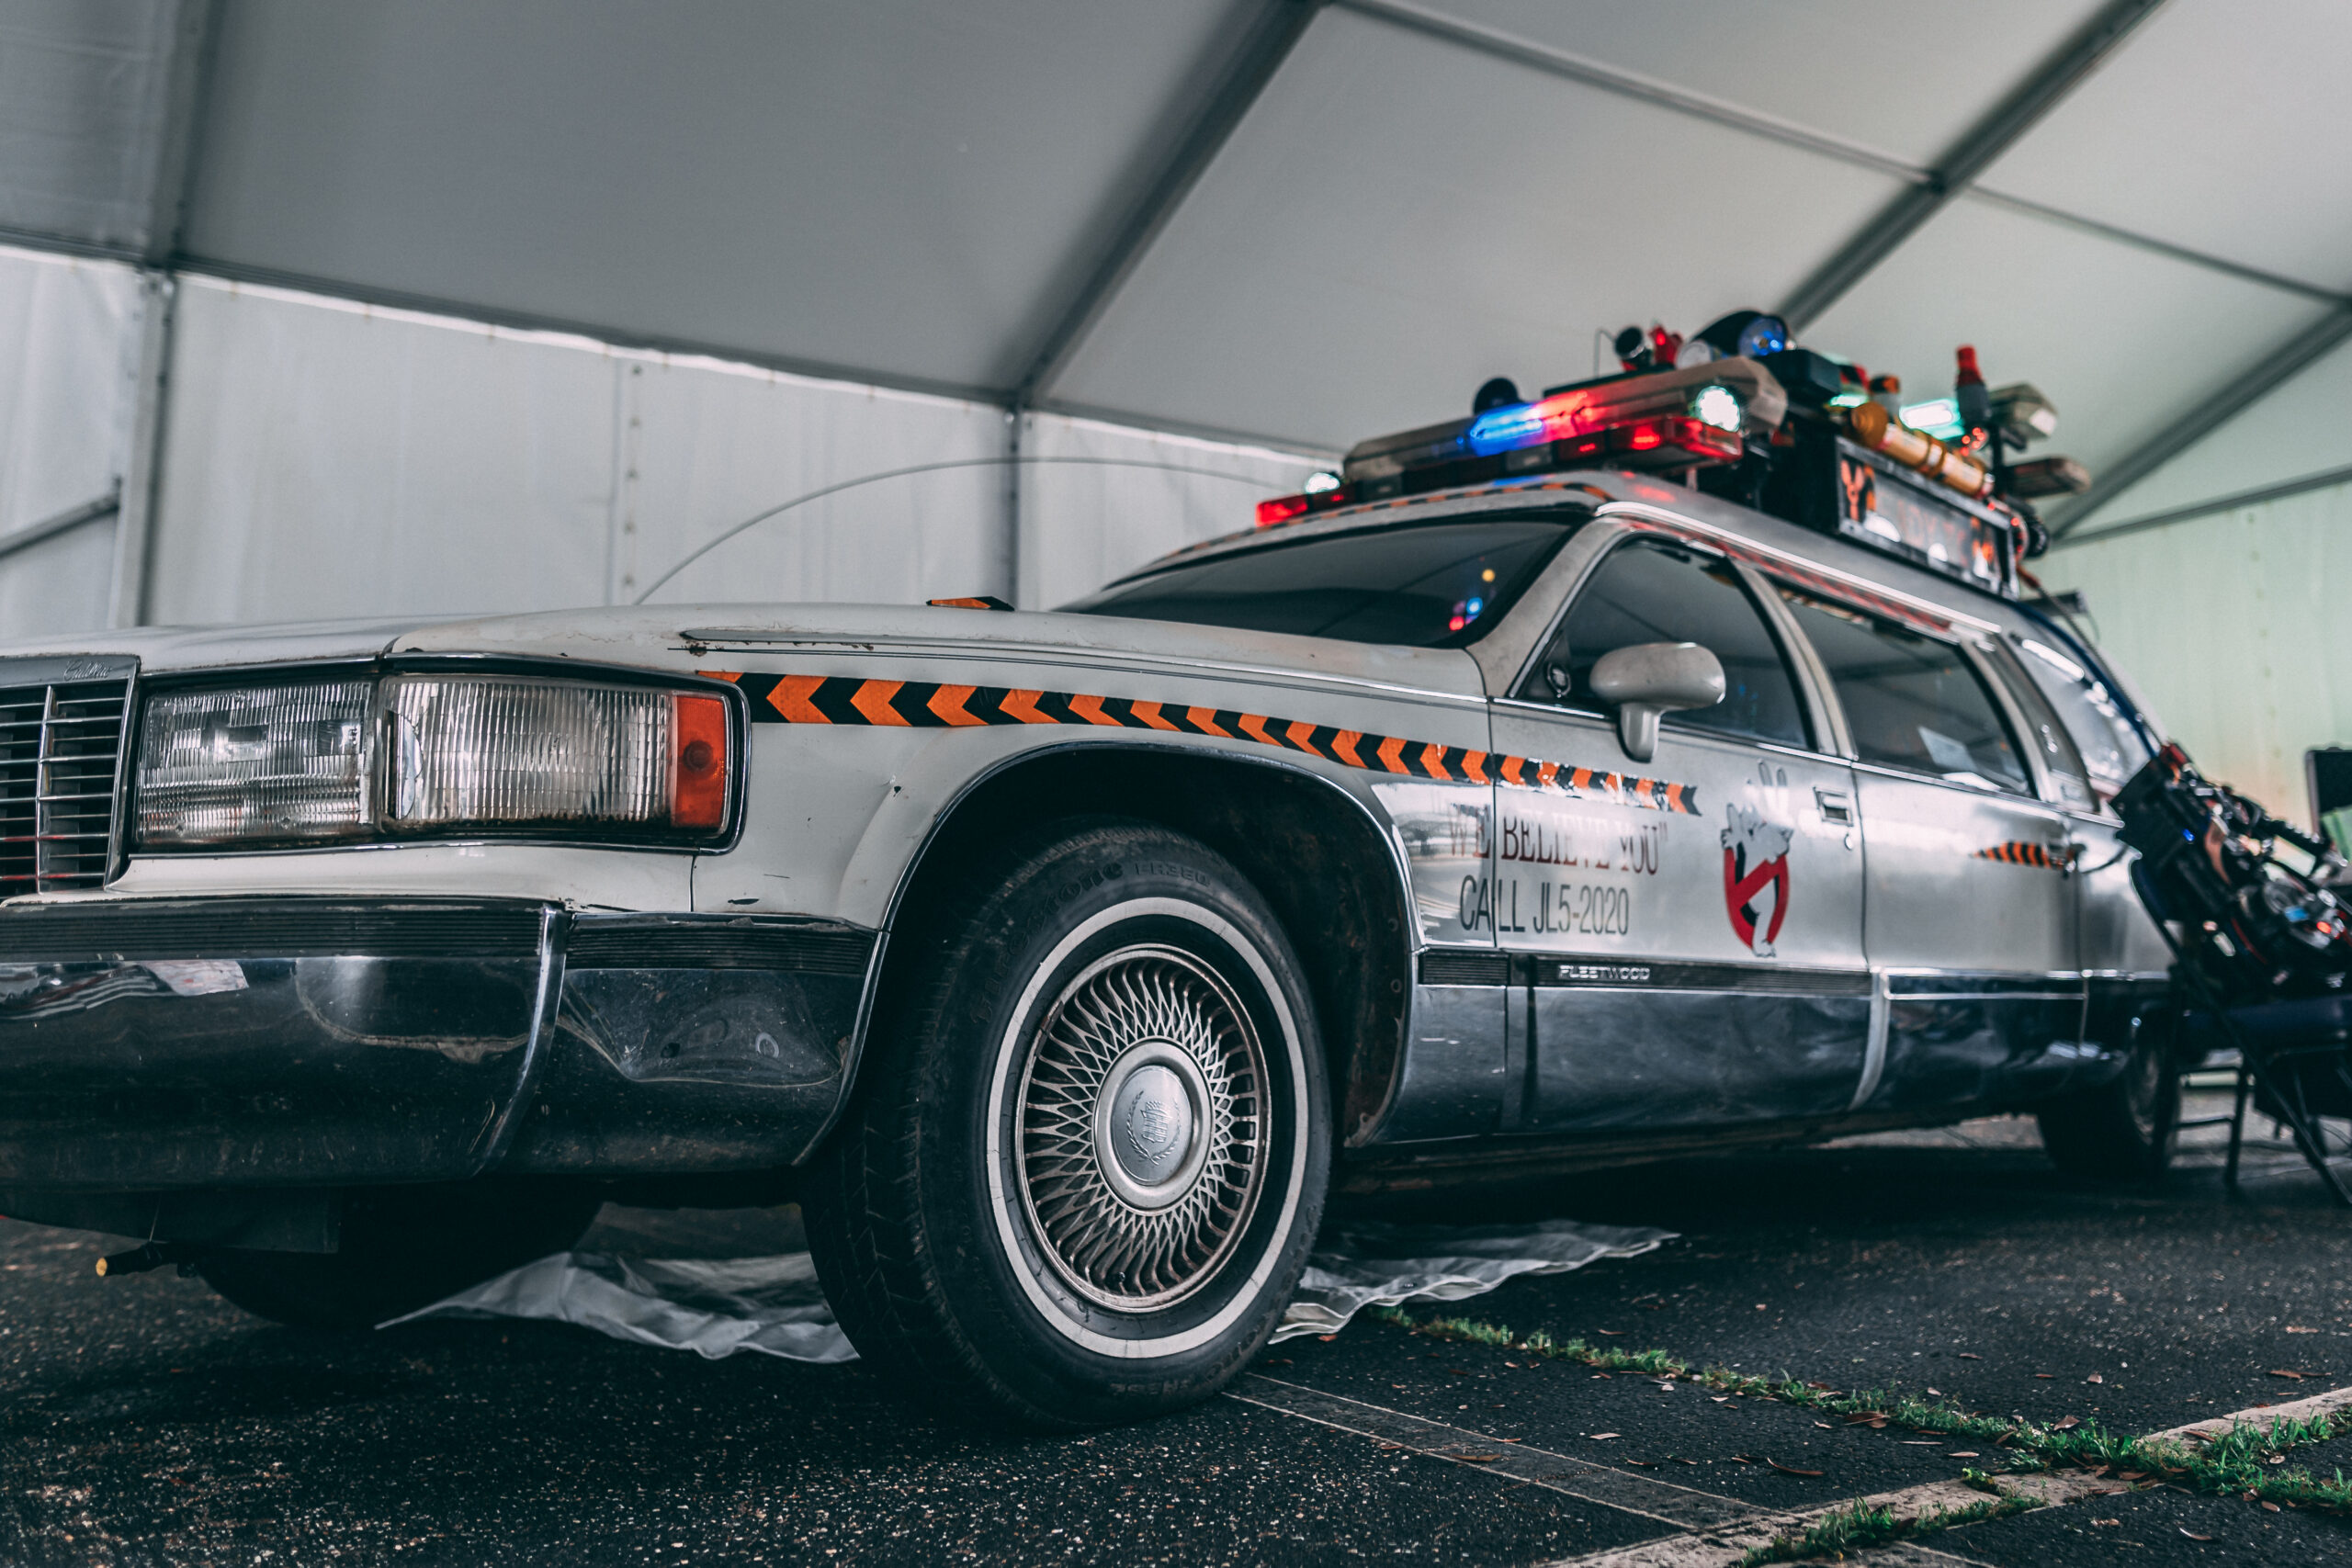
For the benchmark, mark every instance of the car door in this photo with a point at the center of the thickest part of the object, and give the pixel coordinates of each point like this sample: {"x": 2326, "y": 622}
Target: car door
{"x": 1969, "y": 922}
{"x": 1687, "y": 929}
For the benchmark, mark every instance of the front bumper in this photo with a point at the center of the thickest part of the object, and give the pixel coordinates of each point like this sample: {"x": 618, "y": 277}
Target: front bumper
{"x": 161, "y": 1043}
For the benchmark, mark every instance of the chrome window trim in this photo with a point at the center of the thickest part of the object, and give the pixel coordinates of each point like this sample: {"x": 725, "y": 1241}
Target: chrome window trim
{"x": 1940, "y": 615}
{"x": 2004, "y": 701}
{"x": 1507, "y": 656}
{"x": 1825, "y": 714}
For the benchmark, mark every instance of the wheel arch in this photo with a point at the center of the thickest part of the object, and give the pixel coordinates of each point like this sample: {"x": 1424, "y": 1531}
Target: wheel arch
{"x": 1322, "y": 859}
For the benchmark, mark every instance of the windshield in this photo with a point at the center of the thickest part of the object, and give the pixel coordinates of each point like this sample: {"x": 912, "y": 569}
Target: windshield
{"x": 1423, "y": 585}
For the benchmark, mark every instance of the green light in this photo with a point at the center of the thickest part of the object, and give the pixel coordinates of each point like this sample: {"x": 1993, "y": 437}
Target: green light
{"x": 1938, "y": 417}
{"x": 1850, "y": 399}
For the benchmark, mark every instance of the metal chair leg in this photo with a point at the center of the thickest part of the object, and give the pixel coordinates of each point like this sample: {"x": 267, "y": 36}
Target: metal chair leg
{"x": 2237, "y": 1129}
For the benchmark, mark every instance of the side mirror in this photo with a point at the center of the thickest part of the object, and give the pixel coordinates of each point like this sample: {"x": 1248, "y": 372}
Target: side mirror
{"x": 1652, "y": 678}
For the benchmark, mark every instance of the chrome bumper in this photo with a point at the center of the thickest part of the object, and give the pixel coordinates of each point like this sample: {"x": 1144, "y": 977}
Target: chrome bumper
{"x": 150, "y": 1044}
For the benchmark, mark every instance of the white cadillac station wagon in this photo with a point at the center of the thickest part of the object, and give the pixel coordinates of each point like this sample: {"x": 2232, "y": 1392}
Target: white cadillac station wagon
{"x": 1576, "y": 784}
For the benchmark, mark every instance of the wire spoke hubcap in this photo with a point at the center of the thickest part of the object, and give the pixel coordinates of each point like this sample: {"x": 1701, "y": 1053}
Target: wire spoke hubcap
{"x": 1143, "y": 1125}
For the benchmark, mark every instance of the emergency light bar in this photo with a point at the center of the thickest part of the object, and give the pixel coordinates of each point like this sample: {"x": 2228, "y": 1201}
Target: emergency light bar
{"x": 1751, "y": 419}
{"x": 1671, "y": 420}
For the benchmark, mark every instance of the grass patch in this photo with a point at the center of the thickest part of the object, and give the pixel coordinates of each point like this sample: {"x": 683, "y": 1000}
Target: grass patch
{"x": 2245, "y": 1462}
{"x": 1857, "y": 1527}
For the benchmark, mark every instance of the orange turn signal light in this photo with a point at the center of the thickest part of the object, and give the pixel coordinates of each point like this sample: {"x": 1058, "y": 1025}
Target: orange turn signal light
{"x": 699, "y": 767}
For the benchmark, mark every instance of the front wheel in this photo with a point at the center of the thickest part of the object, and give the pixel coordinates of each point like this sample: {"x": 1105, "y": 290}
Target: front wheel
{"x": 1089, "y": 1151}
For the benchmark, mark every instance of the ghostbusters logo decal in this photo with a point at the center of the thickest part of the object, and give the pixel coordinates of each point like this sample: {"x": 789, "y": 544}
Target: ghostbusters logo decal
{"x": 1756, "y": 878}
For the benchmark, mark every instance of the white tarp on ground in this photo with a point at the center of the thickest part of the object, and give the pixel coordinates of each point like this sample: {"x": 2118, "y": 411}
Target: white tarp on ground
{"x": 775, "y": 1305}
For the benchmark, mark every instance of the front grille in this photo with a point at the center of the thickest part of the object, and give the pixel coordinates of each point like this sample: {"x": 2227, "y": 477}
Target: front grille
{"x": 61, "y": 744}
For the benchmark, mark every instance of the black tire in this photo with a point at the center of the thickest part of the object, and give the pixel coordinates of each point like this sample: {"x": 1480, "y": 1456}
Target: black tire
{"x": 2123, "y": 1130}
{"x": 402, "y": 1247}
{"x": 991, "y": 1237}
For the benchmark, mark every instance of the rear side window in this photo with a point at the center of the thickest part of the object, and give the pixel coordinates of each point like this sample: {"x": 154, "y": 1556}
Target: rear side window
{"x": 1913, "y": 702}
{"x": 2070, "y": 779}
{"x": 2112, "y": 749}
{"x": 1650, "y": 591}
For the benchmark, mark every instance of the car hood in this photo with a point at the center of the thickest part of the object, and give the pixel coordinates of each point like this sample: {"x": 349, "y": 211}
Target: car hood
{"x": 655, "y": 635}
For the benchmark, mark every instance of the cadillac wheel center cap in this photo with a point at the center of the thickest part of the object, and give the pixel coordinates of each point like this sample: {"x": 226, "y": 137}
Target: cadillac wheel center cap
{"x": 1151, "y": 1124}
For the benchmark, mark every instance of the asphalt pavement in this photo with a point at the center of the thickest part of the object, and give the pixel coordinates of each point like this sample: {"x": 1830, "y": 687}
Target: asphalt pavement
{"x": 146, "y": 1421}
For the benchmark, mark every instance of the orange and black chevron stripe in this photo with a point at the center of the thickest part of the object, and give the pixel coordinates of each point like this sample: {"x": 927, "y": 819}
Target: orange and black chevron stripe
{"x": 2016, "y": 852}
{"x": 926, "y": 705}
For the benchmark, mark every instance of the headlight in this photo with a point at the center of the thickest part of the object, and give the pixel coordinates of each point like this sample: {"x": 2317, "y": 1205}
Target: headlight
{"x": 427, "y": 754}
{"x": 264, "y": 762}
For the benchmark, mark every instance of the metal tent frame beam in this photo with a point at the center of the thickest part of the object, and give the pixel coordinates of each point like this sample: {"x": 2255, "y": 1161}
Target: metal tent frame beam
{"x": 1978, "y": 147}
{"x": 1220, "y": 107}
{"x": 2306, "y": 348}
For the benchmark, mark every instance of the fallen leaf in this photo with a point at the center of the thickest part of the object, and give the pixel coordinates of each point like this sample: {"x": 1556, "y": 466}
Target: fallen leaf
{"x": 1396, "y": 1385}
{"x": 1597, "y": 1376}
{"x": 1825, "y": 1425}
{"x": 1457, "y": 1372}
{"x": 1642, "y": 1463}
{"x": 2193, "y": 1535}
{"x": 1720, "y": 1398}
{"x": 1603, "y": 1436}
{"x": 2272, "y": 1506}
{"x": 2106, "y": 1521}
{"x": 2275, "y": 1458}
{"x": 2282, "y": 1373}
{"x": 1477, "y": 1459}
{"x": 2131, "y": 1475}
{"x": 2095, "y": 1470}
{"x": 1510, "y": 1440}
{"x": 2067, "y": 1425}
{"x": 1970, "y": 1355}
{"x": 2094, "y": 1378}
{"x": 1327, "y": 1338}
{"x": 1965, "y": 1453}
{"x": 1284, "y": 1362}
{"x": 2045, "y": 1374}
{"x": 2298, "y": 1328}
{"x": 1679, "y": 1460}
{"x": 1390, "y": 1448}
{"x": 1790, "y": 1469}
{"x": 1937, "y": 1391}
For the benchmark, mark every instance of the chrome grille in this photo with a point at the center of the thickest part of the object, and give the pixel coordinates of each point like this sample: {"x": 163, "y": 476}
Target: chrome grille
{"x": 61, "y": 748}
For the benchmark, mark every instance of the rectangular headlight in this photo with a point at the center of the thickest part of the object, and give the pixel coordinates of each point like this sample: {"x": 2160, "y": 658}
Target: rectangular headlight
{"x": 430, "y": 754}
{"x": 263, "y": 762}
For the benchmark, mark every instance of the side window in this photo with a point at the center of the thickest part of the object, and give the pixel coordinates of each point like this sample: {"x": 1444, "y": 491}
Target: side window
{"x": 1650, "y": 591}
{"x": 2112, "y": 749}
{"x": 1913, "y": 702}
{"x": 2059, "y": 755}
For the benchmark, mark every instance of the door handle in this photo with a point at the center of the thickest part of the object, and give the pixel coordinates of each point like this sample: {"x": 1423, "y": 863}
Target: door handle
{"x": 1835, "y": 805}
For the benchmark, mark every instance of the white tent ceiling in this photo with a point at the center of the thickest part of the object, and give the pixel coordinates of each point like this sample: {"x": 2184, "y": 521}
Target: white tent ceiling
{"x": 1299, "y": 223}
